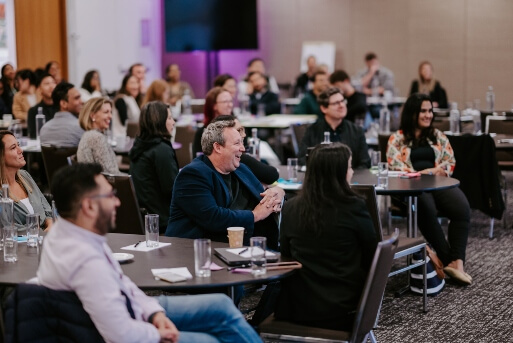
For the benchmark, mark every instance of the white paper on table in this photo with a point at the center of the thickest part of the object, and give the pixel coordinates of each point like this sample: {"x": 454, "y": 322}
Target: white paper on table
{"x": 142, "y": 247}
{"x": 182, "y": 271}
{"x": 247, "y": 253}
{"x": 289, "y": 185}
{"x": 393, "y": 173}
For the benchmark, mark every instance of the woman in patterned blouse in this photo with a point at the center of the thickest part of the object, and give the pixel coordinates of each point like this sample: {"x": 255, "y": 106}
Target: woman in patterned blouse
{"x": 418, "y": 146}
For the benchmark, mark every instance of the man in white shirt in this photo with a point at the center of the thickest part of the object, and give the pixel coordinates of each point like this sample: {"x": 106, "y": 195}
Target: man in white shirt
{"x": 76, "y": 258}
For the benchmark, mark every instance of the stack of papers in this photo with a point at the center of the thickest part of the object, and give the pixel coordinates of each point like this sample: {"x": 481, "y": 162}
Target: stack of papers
{"x": 182, "y": 271}
{"x": 142, "y": 246}
{"x": 246, "y": 252}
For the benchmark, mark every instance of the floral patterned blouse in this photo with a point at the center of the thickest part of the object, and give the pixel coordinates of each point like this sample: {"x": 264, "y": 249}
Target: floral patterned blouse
{"x": 398, "y": 153}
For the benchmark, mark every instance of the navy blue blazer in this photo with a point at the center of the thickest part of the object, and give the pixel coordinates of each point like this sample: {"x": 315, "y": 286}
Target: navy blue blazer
{"x": 201, "y": 201}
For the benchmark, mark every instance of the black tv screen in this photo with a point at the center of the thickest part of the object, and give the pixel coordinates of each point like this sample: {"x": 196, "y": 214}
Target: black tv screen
{"x": 210, "y": 25}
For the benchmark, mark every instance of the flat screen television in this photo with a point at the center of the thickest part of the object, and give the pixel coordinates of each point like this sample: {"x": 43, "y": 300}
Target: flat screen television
{"x": 210, "y": 25}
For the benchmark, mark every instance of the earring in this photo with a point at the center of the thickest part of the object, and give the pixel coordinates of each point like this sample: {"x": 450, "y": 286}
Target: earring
{"x": 94, "y": 120}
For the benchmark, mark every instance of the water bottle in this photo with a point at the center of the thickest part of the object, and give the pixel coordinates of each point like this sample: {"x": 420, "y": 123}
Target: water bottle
{"x": 375, "y": 87}
{"x": 9, "y": 231}
{"x": 186, "y": 102}
{"x": 490, "y": 99}
{"x": 384, "y": 119}
{"x": 40, "y": 121}
{"x": 55, "y": 214}
{"x": 327, "y": 139}
{"x": 454, "y": 118}
{"x": 254, "y": 144}
{"x": 476, "y": 118}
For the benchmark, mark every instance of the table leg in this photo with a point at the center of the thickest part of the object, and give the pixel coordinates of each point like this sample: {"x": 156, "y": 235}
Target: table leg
{"x": 410, "y": 215}
{"x": 231, "y": 290}
{"x": 415, "y": 217}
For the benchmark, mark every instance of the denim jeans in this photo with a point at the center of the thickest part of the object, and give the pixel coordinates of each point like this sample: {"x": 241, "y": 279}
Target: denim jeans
{"x": 207, "y": 318}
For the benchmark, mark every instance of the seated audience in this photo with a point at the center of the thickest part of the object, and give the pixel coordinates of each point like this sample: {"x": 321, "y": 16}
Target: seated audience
{"x": 374, "y": 76}
{"x": 303, "y": 81}
{"x": 356, "y": 101}
{"x": 218, "y": 102}
{"x": 177, "y": 87}
{"x": 418, "y": 146}
{"x": 91, "y": 86}
{"x": 333, "y": 105}
{"x": 245, "y": 88}
{"x": 265, "y": 173}
{"x": 76, "y": 258}
{"x": 64, "y": 130}
{"x": 22, "y": 189}
{"x": 126, "y": 109}
{"x": 153, "y": 163}
{"x": 308, "y": 104}
{"x": 215, "y": 191}
{"x": 227, "y": 82}
{"x": 8, "y": 75}
{"x": 54, "y": 68}
{"x": 26, "y": 97}
{"x": 46, "y": 84}
{"x": 157, "y": 91}
{"x": 426, "y": 84}
{"x": 328, "y": 229}
{"x": 261, "y": 98}
{"x": 94, "y": 147}
{"x": 139, "y": 71}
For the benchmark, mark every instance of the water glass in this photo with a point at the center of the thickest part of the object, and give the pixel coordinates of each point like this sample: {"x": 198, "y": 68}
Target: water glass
{"x": 375, "y": 159}
{"x": 258, "y": 261}
{"x": 383, "y": 174}
{"x": 202, "y": 257}
{"x": 10, "y": 243}
{"x": 292, "y": 167}
{"x": 32, "y": 224}
{"x": 17, "y": 131}
{"x": 151, "y": 227}
{"x": 40, "y": 121}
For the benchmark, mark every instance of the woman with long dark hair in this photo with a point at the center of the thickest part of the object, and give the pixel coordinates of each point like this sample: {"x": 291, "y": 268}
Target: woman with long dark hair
{"x": 126, "y": 109}
{"x": 91, "y": 86}
{"x": 328, "y": 229}
{"x": 153, "y": 162}
{"x": 418, "y": 146}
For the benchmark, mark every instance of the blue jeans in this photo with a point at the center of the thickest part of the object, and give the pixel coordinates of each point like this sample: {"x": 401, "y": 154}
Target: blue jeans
{"x": 207, "y": 318}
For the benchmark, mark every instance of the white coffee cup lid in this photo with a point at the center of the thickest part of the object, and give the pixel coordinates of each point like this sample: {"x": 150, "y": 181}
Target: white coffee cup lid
{"x": 235, "y": 228}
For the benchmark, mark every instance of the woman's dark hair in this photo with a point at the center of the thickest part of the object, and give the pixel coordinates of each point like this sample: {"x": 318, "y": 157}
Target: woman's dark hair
{"x": 325, "y": 184}
{"x": 410, "y": 120}
{"x": 221, "y": 80}
{"x": 87, "y": 80}
{"x": 210, "y": 101}
{"x": 123, "y": 90}
{"x": 323, "y": 99}
{"x": 4, "y": 67}
{"x": 49, "y": 65}
{"x": 25, "y": 74}
{"x": 152, "y": 122}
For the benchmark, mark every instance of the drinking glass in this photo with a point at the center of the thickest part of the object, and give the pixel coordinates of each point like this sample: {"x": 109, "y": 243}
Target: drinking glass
{"x": 383, "y": 174}
{"x": 292, "y": 167}
{"x": 375, "y": 159}
{"x": 10, "y": 243}
{"x": 32, "y": 224}
{"x": 151, "y": 227}
{"x": 258, "y": 261}
{"x": 202, "y": 257}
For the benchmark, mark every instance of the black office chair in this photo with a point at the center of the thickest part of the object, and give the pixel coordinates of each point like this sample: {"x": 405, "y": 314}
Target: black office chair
{"x": 55, "y": 158}
{"x": 274, "y": 330}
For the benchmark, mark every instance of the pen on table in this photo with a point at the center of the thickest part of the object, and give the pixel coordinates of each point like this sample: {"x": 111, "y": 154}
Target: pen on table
{"x": 136, "y": 244}
{"x": 242, "y": 251}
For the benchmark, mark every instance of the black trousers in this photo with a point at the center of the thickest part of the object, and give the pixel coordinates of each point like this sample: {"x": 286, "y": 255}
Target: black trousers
{"x": 450, "y": 203}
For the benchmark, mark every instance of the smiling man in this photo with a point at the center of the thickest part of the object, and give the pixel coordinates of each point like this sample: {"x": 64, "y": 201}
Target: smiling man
{"x": 216, "y": 191}
{"x": 333, "y": 106}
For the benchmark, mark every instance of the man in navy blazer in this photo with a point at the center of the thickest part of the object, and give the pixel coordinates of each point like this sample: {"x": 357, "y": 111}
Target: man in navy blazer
{"x": 215, "y": 191}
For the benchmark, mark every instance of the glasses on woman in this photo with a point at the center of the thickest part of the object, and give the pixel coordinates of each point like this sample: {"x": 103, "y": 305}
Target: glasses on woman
{"x": 338, "y": 103}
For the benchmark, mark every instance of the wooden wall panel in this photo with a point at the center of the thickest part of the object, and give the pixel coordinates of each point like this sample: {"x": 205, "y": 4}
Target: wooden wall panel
{"x": 41, "y": 33}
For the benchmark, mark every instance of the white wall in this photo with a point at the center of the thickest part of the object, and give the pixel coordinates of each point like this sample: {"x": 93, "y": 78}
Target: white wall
{"x": 106, "y": 35}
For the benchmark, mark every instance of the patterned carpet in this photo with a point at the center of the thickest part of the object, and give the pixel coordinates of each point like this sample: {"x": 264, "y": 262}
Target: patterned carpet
{"x": 481, "y": 312}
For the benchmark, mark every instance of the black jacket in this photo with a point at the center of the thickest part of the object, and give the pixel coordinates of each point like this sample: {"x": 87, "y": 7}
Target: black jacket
{"x": 48, "y": 110}
{"x": 269, "y": 99}
{"x": 154, "y": 167}
{"x": 437, "y": 95}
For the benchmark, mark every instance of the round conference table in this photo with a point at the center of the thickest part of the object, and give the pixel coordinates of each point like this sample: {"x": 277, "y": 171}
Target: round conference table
{"x": 409, "y": 188}
{"x": 179, "y": 254}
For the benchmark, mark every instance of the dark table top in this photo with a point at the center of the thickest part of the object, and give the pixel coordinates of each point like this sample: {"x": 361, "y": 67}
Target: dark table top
{"x": 396, "y": 185}
{"x": 179, "y": 254}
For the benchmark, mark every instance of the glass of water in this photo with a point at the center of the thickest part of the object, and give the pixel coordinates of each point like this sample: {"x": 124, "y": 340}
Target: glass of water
{"x": 151, "y": 227}
{"x": 10, "y": 243}
{"x": 32, "y": 224}
{"x": 292, "y": 168}
{"x": 258, "y": 261}
{"x": 375, "y": 159}
{"x": 383, "y": 174}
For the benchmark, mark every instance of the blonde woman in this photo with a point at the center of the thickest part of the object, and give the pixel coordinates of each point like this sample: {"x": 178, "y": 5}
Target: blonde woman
{"x": 95, "y": 118}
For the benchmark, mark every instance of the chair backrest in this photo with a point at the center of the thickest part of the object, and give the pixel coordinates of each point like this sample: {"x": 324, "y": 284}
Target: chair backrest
{"x": 499, "y": 124}
{"x": 132, "y": 129}
{"x": 185, "y": 136}
{"x": 128, "y": 215}
{"x": 56, "y": 314}
{"x": 382, "y": 145}
{"x": 55, "y": 158}
{"x": 298, "y": 132}
{"x": 370, "y": 301}
{"x": 368, "y": 192}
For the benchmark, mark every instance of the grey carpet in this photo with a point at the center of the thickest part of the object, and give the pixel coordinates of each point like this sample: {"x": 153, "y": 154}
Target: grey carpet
{"x": 481, "y": 312}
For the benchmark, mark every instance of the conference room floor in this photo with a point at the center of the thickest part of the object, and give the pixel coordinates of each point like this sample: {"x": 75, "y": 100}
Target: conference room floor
{"x": 481, "y": 312}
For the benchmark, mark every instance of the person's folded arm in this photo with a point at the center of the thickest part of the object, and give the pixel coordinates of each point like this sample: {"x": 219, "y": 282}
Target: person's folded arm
{"x": 396, "y": 152}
